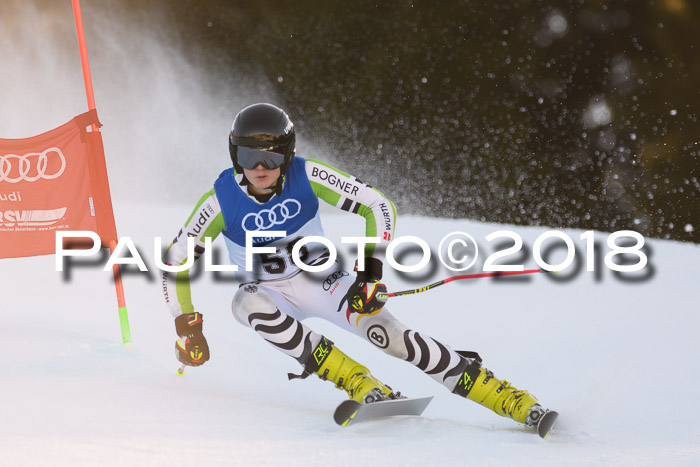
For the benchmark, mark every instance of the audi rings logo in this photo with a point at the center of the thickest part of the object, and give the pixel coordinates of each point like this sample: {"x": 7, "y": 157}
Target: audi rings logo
{"x": 30, "y": 167}
{"x": 268, "y": 218}
{"x": 330, "y": 280}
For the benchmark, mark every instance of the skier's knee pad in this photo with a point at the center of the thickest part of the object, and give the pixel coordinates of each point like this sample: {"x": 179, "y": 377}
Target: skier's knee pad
{"x": 385, "y": 332}
{"x": 250, "y": 300}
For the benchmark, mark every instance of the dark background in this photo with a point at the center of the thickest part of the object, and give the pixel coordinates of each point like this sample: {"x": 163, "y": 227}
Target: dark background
{"x": 566, "y": 113}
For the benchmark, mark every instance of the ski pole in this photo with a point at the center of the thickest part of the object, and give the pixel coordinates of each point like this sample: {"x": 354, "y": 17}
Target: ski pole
{"x": 458, "y": 278}
{"x": 181, "y": 370}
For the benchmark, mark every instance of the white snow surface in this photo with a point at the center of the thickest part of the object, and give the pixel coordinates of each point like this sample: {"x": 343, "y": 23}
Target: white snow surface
{"x": 618, "y": 360}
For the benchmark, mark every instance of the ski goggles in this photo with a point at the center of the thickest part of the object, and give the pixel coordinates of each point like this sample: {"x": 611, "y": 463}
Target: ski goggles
{"x": 250, "y": 158}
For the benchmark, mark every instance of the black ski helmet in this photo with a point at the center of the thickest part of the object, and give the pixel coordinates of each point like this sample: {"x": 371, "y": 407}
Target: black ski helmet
{"x": 262, "y": 126}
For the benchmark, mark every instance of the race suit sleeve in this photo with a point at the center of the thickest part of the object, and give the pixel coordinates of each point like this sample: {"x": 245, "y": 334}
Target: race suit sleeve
{"x": 350, "y": 194}
{"x": 206, "y": 220}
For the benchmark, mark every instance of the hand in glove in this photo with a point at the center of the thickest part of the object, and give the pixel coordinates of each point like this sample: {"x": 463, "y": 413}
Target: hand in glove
{"x": 367, "y": 294}
{"x": 192, "y": 348}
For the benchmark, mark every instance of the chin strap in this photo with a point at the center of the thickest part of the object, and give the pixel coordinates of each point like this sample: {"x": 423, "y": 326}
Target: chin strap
{"x": 265, "y": 198}
{"x": 279, "y": 185}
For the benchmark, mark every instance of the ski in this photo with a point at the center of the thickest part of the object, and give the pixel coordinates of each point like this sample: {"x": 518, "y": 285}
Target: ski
{"x": 546, "y": 423}
{"x": 350, "y": 412}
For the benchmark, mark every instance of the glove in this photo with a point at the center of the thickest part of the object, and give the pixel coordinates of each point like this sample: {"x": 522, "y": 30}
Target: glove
{"x": 192, "y": 348}
{"x": 366, "y": 294}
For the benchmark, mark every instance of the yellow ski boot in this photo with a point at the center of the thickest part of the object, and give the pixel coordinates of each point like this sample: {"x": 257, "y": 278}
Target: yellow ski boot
{"x": 479, "y": 385}
{"x": 330, "y": 363}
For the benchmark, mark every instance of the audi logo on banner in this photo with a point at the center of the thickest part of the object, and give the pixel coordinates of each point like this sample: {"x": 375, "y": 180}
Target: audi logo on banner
{"x": 267, "y": 218}
{"x": 33, "y": 166}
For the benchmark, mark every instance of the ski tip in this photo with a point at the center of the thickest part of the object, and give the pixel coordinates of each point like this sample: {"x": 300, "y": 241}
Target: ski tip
{"x": 544, "y": 427}
{"x": 345, "y": 412}
{"x": 348, "y": 421}
{"x": 349, "y": 412}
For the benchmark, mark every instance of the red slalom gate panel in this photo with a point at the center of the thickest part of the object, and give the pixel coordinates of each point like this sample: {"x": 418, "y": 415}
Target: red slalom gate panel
{"x": 53, "y": 181}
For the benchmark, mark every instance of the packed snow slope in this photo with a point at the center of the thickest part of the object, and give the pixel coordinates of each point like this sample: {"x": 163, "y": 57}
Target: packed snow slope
{"x": 618, "y": 359}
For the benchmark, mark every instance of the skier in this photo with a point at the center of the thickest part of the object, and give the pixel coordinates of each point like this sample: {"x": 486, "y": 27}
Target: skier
{"x": 269, "y": 189}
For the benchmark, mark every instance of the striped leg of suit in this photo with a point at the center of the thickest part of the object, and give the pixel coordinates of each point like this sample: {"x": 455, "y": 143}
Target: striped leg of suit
{"x": 254, "y": 307}
{"x": 434, "y": 358}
